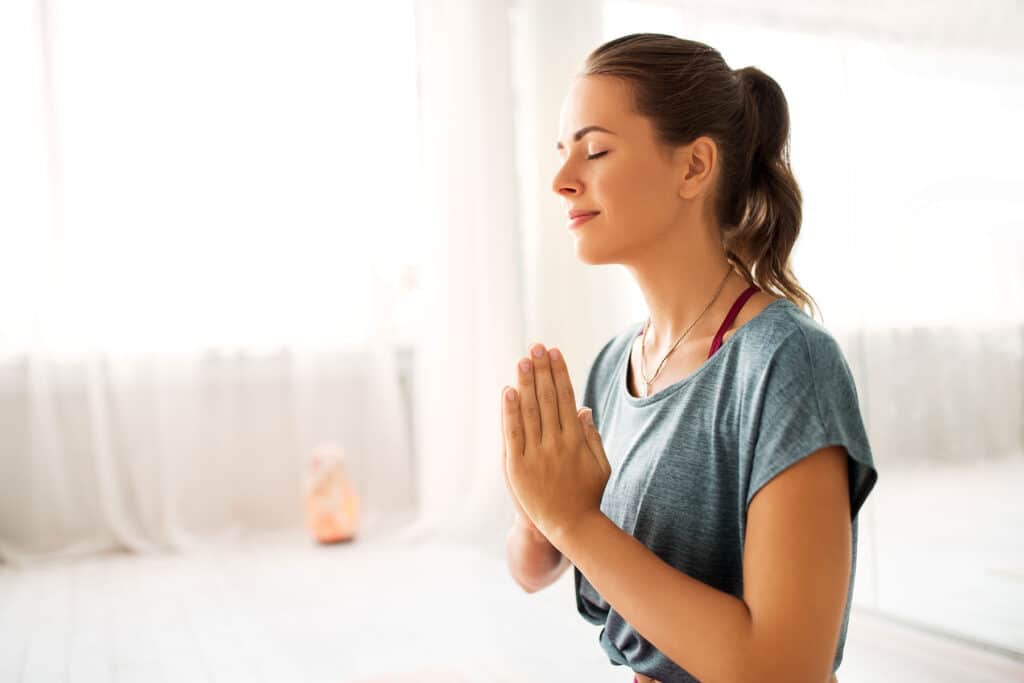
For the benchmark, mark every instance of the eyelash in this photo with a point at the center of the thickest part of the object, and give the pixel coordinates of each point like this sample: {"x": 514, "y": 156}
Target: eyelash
{"x": 597, "y": 156}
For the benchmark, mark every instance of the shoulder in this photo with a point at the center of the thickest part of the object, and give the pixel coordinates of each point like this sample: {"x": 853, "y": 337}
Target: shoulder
{"x": 799, "y": 372}
{"x": 789, "y": 336}
{"x": 789, "y": 358}
{"x": 812, "y": 345}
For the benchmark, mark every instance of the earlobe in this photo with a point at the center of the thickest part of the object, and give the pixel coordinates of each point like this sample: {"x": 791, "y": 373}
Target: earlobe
{"x": 686, "y": 188}
{"x": 689, "y": 185}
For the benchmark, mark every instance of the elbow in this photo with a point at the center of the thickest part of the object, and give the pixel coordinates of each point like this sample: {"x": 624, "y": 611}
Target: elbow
{"x": 526, "y": 587}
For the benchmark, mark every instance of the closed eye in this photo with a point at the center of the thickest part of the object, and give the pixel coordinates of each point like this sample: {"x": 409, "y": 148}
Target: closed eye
{"x": 598, "y": 155}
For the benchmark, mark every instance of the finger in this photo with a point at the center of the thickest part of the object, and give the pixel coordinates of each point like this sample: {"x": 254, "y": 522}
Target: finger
{"x": 513, "y": 424}
{"x": 594, "y": 440}
{"x": 544, "y": 383}
{"x": 563, "y": 390}
{"x": 504, "y": 441}
{"x": 527, "y": 402}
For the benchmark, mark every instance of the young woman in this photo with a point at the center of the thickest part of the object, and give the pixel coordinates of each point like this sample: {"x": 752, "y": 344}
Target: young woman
{"x": 707, "y": 492}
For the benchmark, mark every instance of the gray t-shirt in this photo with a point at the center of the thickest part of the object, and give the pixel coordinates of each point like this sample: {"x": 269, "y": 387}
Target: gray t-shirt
{"x": 687, "y": 461}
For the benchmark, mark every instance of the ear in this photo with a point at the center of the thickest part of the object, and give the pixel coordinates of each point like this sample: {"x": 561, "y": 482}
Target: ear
{"x": 696, "y": 162}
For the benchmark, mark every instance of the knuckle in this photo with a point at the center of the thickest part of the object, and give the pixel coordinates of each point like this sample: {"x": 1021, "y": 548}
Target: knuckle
{"x": 546, "y": 394}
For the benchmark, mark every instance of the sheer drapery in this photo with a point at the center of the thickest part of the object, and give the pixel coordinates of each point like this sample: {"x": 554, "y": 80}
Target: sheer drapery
{"x": 221, "y": 211}
{"x": 504, "y": 273}
{"x": 207, "y": 210}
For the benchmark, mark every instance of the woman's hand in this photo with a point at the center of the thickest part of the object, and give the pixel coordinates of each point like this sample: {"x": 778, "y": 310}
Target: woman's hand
{"x": 554, "y": 461}
{"x": 521, "y": 517}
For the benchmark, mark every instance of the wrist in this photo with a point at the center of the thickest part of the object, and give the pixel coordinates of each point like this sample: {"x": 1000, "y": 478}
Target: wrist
{"x": 565, "y": 537}
{"x": 528, "y": 529}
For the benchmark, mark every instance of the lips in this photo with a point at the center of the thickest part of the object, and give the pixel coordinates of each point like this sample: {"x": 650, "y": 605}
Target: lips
{"x": 580, "y": 218}
{"x": 576, "y": 213}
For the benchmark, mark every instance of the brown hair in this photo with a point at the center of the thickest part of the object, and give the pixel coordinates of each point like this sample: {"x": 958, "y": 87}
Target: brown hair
{"x": 687, "y": 90}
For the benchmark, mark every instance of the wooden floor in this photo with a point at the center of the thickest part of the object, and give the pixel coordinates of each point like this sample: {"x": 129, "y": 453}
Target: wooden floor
{"x": 277, "y": 608}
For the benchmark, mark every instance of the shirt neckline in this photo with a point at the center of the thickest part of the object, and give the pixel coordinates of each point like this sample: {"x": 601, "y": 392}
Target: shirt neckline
{"x": 623, "y": 370}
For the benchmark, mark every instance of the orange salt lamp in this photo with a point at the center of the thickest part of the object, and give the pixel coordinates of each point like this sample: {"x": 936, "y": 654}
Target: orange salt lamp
{"x": 331, "y": 501}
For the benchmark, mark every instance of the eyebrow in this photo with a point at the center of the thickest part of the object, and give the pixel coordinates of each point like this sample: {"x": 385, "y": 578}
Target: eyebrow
{"x": 583, "y": 131}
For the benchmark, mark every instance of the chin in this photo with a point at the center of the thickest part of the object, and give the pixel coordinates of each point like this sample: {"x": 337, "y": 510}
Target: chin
{"x": 591, "y": 256}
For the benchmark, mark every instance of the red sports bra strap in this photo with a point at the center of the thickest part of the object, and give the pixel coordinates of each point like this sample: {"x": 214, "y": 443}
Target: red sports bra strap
{"x": 737, "y": 305}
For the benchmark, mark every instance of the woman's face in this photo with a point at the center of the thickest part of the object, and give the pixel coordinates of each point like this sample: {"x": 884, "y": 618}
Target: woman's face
{"x": 611, "y": 164}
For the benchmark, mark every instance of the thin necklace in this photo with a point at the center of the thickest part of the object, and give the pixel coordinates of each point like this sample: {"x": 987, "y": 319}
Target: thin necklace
{"x": 643, "y": 341}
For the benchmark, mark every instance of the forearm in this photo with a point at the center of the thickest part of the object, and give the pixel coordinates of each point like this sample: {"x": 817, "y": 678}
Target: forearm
{"x": 704, "y": 630}
{"x": 532, "y": 560}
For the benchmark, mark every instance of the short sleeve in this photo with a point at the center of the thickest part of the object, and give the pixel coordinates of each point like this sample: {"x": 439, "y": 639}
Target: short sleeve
{"x": 807, "y": 400}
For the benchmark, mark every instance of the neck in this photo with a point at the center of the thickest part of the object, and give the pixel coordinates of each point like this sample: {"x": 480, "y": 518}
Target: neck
{"x": 679, "y": 278}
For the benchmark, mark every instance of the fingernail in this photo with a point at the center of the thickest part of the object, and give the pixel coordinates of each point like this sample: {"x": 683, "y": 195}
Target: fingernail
{"x": 538, "y": 351}
{"x": 588, "y": 417}
{"x": 524, "y": 365}
{"x": 555, "y": 355}
{"x": 510, "y": 394}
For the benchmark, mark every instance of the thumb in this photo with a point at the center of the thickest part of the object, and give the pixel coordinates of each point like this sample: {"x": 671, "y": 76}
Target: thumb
{"x": 593, "y": 437}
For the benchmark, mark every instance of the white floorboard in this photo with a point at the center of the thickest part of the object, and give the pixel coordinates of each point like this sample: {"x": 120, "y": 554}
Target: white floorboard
{"x": 276, "y": 607}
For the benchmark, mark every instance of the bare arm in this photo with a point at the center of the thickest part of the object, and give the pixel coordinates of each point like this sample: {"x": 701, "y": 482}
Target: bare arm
{"x": 796, "y": 567}
{"x": 532, "y": 560}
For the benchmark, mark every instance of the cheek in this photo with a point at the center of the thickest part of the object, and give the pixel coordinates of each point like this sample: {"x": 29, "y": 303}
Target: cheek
{"x": 636, "y": 193}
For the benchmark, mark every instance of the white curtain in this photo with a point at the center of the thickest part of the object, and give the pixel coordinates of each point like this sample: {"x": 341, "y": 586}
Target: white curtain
{"x": 504, "y": 274}
{"x": 208, "y": 218}
{"x": 244, "y": 245}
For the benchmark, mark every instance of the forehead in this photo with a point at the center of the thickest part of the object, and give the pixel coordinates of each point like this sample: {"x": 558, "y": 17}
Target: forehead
{"x": 596, "y": 100}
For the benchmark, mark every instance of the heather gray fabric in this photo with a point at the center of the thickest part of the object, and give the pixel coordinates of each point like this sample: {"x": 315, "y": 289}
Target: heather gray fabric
{"x": 687, "y": 461}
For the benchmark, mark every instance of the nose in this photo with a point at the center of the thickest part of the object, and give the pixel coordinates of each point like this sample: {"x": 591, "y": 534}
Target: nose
{"x": 564, "y": 184}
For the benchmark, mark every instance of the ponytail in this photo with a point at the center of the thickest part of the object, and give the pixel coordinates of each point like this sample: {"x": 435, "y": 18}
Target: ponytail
{"x": 766, "y": 216}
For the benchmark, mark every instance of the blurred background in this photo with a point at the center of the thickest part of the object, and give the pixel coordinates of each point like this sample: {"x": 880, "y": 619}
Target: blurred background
{"x": 238, "y": 235}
